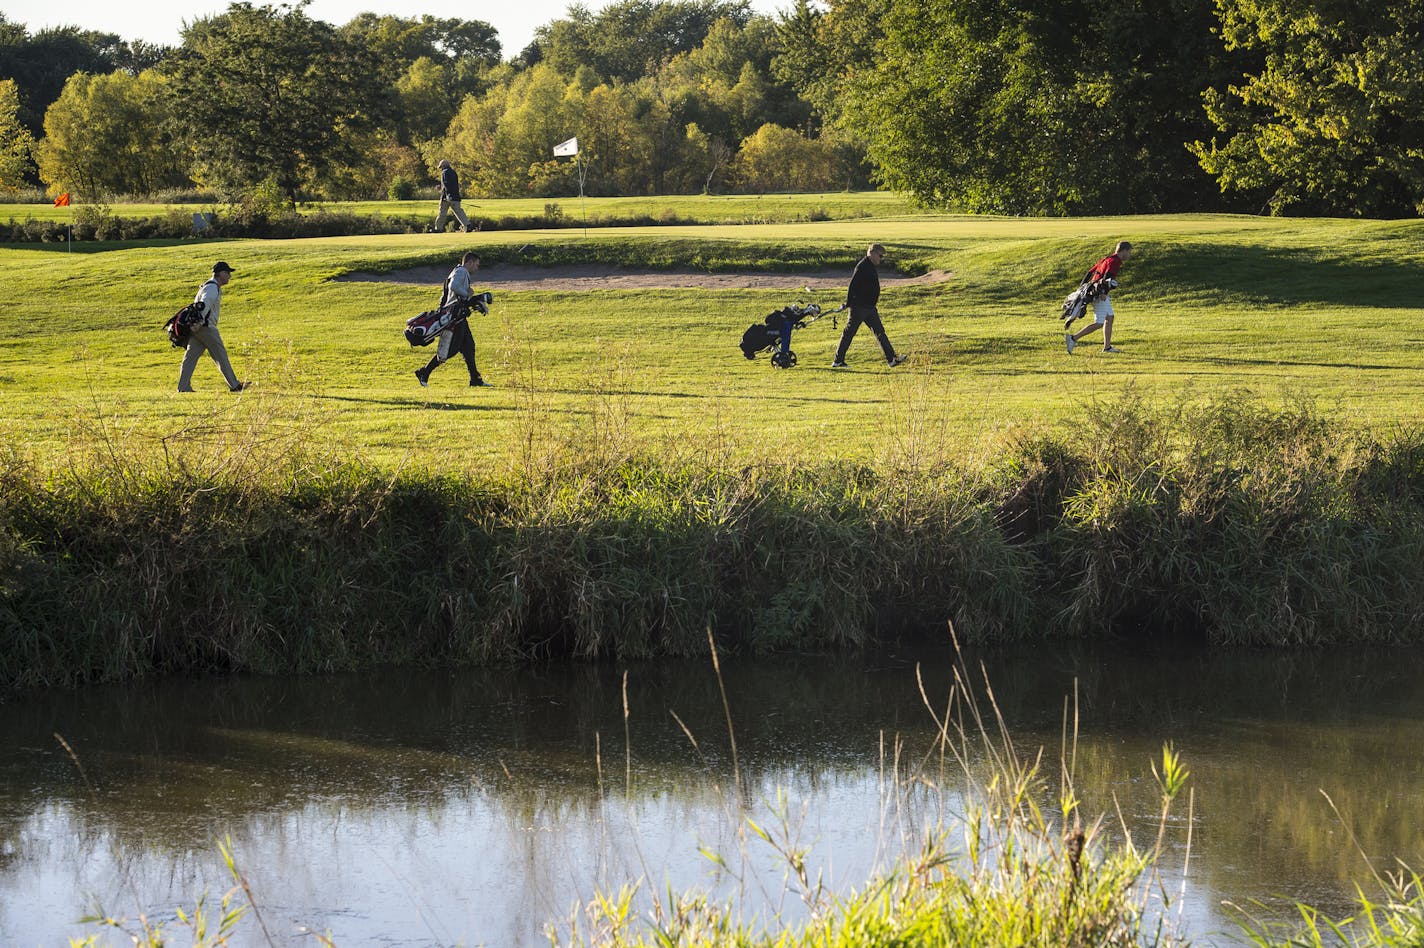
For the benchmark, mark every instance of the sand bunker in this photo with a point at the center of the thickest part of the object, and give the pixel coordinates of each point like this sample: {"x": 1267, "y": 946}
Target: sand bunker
{"x": 513, "y": 277}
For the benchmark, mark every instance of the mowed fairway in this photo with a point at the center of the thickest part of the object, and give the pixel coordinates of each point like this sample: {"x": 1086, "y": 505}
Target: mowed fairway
{"x": 1210, "y": 306}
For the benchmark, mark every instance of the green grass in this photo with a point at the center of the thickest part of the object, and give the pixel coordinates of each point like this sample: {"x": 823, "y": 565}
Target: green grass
{"x": 711, "y": 209}
{"x": 1210, "y": 305}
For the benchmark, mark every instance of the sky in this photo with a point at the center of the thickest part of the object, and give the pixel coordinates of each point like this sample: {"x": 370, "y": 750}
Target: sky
{"x": 159, "y": 21}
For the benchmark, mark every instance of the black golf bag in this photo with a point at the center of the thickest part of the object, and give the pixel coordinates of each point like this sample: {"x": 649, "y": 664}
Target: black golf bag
{"x": 425, "y": 328}
{"x": 774, "y": 333}
{"x": 1087, "y": 292}
{"x": 180, "y": 325}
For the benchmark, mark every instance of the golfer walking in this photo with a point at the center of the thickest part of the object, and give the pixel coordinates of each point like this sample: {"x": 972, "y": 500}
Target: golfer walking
{"x": 862, "y": 298}
{"x": 450, "y": 198}
{"x": 205, "y": 336}
{"x": 1105, "y": 269}
{"x": 458, "y": 337}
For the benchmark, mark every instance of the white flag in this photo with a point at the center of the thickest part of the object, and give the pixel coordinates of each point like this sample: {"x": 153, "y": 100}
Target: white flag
{"x": 566, "y": 149}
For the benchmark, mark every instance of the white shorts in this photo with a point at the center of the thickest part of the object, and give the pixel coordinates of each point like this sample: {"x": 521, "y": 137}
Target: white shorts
{"x": 1102, "y": 309}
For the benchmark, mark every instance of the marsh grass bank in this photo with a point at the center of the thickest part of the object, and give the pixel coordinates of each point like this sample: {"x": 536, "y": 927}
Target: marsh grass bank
{"x": 1227, "y": 520}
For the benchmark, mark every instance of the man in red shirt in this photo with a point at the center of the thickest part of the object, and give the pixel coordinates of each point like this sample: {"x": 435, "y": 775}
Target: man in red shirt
{"x": 1104, "y": 269}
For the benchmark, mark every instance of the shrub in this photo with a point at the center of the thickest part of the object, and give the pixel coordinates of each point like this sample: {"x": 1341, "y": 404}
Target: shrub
{"x": 401, "y": 189}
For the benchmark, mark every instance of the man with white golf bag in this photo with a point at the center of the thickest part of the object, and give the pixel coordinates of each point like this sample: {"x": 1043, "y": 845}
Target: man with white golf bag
{"x": 458, "y": 337}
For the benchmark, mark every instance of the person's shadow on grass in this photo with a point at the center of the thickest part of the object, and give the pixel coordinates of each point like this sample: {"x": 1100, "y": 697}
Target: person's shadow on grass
{"x": 415, "y": 403}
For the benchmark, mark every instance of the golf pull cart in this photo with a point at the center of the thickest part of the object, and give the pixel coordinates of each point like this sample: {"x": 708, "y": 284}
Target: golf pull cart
{"x": 774, "y": 332}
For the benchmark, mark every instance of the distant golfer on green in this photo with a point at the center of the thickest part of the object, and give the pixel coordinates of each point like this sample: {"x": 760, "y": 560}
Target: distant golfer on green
{"x": 1104, "y": 269}
{"x": 450, "y": 198}
{"x": 863, "y": 298}
{"x": 205, "y": 337}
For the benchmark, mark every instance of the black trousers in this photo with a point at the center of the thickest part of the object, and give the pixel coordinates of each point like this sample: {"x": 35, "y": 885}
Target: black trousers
{"x": 461, "y": 341}
{"x": 871, "y": 317}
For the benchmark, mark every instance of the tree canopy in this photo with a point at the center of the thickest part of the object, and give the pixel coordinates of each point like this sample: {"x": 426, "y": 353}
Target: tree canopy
{"x": 1330, "y": 120}
{"x": 109, "y": 134}
{"x": 15, "y": 140}
{"x": 269, "y": 93}
{"x": 1010, "y": 106}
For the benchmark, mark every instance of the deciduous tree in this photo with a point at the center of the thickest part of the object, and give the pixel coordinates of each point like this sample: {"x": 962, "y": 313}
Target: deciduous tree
{"x": 630, "y": 39}
{"x": 106, "y": 135}
{"x": 1330, "y": 122}
{"x": 782, "y": 159}
{"x": 42, "y": 62}
{"x": 269, "y": 92}
{"x": 15, "y": 139}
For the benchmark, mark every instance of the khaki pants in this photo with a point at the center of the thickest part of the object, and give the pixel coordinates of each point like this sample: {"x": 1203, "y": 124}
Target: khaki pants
{"x": 454, "y": 208}
{"x": 205, "y": 339}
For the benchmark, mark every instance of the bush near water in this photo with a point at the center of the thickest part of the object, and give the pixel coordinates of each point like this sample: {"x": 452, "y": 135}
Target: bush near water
{"x": 1226, "y": 520}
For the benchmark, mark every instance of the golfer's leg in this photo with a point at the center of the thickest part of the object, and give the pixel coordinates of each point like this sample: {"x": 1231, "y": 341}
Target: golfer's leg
{"x": 191, "y": 354}
{"x": 1102, "y": 316}
{"x": 459, "y": 213}
{"x": 1086, "y": 331}
{"x": 440, "y": 217}
{"x": 218, "y": 351}
{"x": 1107, "y": 331}
{"x": 847, "y": 335}
{"x": 872, "y": 320}
{"x": 467, "y": 349}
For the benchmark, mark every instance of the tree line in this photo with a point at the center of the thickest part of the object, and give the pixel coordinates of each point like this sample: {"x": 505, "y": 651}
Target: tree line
{"x": 1062, "y": 107}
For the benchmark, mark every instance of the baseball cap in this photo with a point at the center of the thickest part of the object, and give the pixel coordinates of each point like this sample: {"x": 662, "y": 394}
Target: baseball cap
{"x": 221, "y": 265}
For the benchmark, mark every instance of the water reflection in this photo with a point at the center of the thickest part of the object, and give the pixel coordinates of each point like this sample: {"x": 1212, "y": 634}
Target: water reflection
{"x": 421, "y": 807}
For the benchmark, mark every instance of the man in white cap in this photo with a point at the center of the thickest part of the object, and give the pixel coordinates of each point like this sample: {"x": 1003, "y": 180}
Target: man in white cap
{"x": 205, "y": 337}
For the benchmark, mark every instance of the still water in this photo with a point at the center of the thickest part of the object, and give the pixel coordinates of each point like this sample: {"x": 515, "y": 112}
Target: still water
{"x": 416, "y": 808}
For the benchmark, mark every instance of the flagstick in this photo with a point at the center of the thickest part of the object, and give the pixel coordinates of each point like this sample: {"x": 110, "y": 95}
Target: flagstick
{"x": 583, "y": 206}
{"x": 70, "y": 206}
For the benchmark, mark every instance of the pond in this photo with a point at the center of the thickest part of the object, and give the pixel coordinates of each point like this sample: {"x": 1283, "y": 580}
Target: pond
{"x": 478, "y": 807}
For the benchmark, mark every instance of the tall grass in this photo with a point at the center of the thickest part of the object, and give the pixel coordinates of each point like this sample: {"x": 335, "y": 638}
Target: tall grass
{"x": 1393, "y": 919}
{"x": 250, "y": 546}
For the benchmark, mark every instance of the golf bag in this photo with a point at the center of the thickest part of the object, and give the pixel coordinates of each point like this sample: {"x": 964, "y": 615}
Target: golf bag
{"x": 1087, "y": 292}
{"x": 180, "y": 325}
{"x": 774, "y": 333}
{"x": 425, "y": 328}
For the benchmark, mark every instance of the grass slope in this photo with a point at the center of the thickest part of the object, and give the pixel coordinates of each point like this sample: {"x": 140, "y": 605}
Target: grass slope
{"x": 1210, "y": 304}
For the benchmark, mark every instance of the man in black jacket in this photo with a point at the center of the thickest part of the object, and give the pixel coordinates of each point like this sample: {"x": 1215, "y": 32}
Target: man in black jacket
{"x": 450, "y": 198}
{"x": 863, "y": 298}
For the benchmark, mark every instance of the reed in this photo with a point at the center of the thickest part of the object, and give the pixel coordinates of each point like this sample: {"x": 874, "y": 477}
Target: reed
{"x": 1394, "y": 918}
{"x": 996, "y": 851}
{"x": 248, "y": 545}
